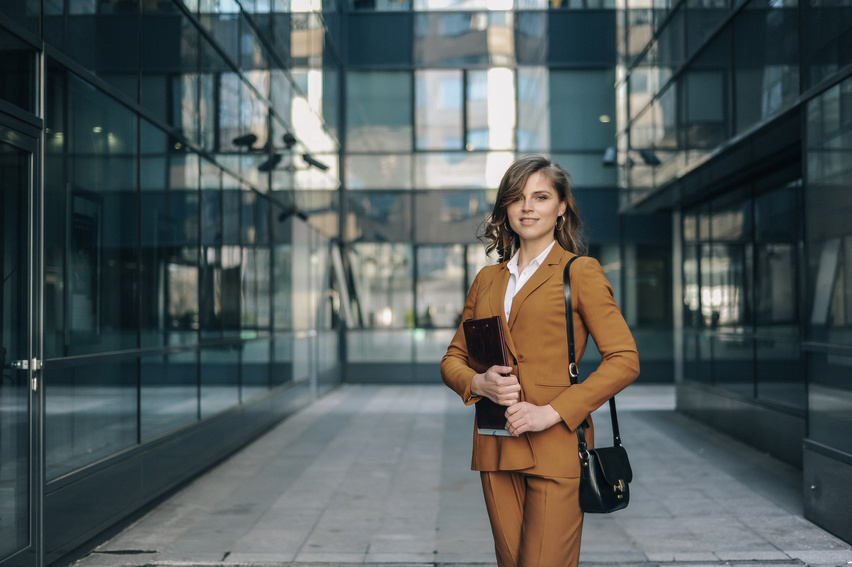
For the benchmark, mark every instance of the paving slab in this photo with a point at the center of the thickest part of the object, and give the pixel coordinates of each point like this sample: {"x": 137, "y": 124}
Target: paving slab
{"x": 379, "y": 475}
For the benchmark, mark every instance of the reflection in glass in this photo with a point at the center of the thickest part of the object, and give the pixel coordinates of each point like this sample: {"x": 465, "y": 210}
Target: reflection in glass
{"x": 255, "y": 368}
{"x": 459, "y": 39}
{"x": 766, "y": 56}
{"x": 14, "y": 333}
{"x": 581, "y": 105}
{"x": 490, "y": 109}
{"x": 705, "y": 108}
{"x": 829, "y": 240}
{"x": 382, "y": 171}
{"x": 169, "y": 67}
{"x": 824, "y": 39}
{"x": 383, "y": 286}
{"x": 438, "y": 110}
{"x": 733, "y": 362}
{"x": 381, "y": 345}
{"x": 378, "y": 111}
{"x": 103, "y": 38}
{"x": 17, "y": 67}
{"x": 830, "y": 401}
{"x": 168, "y": 393}
{"x": 98, "y": 201}
{"x": 533, "y": 108}
{"x": 780, "y": 369}
{"x": 586, "y": 169}
{"x": 219, "y": 378}
{"x": 380, "y": 216}
{"x": 440, "y": 285}
{"x": 472, "y": 170}
{"x": 90, "y": 412}
{"x": 450, "y": 217}
{"x": 426, "y": 5}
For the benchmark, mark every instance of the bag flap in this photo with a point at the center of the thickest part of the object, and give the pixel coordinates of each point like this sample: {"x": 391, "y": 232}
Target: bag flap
{"x": 614, "y": 464}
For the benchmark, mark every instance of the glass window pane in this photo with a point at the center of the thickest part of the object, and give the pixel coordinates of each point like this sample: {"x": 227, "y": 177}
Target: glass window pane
{"x": 382, "y": 278}
{"x": 440, "y": 286}
{"x": 378, "y": 111}
{"x": 90, "y": 413}
{"x": 733, "y": 362}
{"x": 168, "y": 392}
{"x": 587, "y": 170}
{"x": 533, "y": 109}
{"x": 101, "y": 279}
{"x": 581, "y": 109}
{"x": 705, "y": 108}
{"x": 212, "y": 65}
{"x": 780, "y": 366}
{"x": 461, "y": 39}
{"x": 17, "y": 67}
{"x": 169, "y": 69}
{"x": 450, "y": 216}
{"x": 256, "y": 357}
{"x": 490, "y": 110}
{"x": 458, "y": 170}
{"x": 380, "y": 216}
{"x": 219, "y": 378}
{"x": 766, "y": 55}
{"x": 383, "y": 171}
{"x": 830, "y": 400}
{"x": 104, "y": 39}
{"x": 438, "y": 110}
{"x": 692, "y": 317}
{"x": 381, "y": 345}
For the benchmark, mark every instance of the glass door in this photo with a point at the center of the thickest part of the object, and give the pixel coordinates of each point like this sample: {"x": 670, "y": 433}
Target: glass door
{"x": 20, "y": 482}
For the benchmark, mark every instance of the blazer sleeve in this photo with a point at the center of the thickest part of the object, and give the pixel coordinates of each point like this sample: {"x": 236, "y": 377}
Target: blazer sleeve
{"x": 595, "y": 305}
{"x": 455, "y": 370}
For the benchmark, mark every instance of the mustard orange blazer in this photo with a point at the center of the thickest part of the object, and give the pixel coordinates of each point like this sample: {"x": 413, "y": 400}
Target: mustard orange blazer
{"x": 537, "y": 342}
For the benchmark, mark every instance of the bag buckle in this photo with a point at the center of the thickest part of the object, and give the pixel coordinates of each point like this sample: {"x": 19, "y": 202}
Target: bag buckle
{"x": 572, "y": 370}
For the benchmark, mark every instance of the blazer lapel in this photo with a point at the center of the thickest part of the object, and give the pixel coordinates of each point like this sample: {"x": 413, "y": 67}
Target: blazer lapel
{"x": 498, "y": 294}
{"x": 541, "y": 275}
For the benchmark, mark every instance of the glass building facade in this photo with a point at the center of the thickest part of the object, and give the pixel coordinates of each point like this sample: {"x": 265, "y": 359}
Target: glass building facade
{"x": 215, "y": 210}
{"x": 164, "y": 298}
{"x": 733, "y": 116}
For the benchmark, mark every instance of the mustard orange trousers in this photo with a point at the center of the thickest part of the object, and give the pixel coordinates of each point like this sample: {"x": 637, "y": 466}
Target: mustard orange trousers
{"x": 536, "y": 521}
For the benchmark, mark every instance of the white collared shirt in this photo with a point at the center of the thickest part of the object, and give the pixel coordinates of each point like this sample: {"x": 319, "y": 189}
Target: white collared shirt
{"x": 517, "y": 281}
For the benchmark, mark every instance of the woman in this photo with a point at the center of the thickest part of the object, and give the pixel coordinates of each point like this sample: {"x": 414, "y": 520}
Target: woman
{"x": 530, "y": 479}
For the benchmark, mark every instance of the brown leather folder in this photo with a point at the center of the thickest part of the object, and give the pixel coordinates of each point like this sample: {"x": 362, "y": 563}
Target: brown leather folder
{"x": 486, "y": 347}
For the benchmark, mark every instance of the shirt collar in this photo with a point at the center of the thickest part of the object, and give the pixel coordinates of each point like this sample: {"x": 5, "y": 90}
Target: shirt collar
{"x": 512, "y": 265}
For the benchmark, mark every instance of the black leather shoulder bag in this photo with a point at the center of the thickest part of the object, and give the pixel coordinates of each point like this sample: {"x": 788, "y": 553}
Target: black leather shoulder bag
{"x": 605, "y": 473}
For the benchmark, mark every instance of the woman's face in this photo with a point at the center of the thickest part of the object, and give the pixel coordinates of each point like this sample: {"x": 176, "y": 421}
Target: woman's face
{"x": 533, "y": 214}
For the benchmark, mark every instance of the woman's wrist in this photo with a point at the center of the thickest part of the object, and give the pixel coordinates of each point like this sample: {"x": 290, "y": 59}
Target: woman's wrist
{"x": 475, "y": 382}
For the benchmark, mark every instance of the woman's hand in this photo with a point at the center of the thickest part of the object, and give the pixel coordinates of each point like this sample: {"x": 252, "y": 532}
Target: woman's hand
{"x": 524, "y": 417}
{"x": 498, "y": 385}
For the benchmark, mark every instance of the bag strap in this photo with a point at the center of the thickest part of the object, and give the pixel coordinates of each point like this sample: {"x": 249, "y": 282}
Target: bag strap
{"x": 573, "y": 372}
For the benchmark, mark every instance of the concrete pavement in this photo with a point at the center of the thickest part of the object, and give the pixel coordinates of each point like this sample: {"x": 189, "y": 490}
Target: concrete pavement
{"x": 379, "y": 475}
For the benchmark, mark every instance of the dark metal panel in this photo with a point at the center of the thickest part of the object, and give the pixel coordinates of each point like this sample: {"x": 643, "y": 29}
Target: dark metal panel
{"x": 827, "y": 489}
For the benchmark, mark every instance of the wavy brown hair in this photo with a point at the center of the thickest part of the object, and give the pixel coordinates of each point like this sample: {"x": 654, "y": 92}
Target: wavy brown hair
{"x": 495, "y": 230}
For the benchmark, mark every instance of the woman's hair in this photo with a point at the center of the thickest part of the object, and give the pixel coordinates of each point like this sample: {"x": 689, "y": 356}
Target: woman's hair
{"x": 497, "y": 233}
